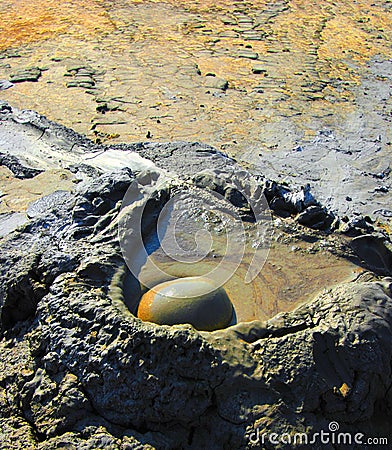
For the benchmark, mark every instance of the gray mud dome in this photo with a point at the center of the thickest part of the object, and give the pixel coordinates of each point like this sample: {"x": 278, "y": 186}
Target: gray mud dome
{"x": 78, "y": 370}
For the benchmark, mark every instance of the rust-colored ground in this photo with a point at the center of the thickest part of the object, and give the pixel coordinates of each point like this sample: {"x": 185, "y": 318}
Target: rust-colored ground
{"x": 313, "y": 55}
{"x": 24, "y": 22}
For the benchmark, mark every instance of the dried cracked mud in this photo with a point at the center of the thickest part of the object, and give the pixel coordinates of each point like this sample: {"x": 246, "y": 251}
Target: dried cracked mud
{"x": 243, "y": 77}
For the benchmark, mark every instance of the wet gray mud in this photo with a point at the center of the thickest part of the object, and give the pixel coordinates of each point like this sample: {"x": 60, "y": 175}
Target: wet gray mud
{"x": 348, "y": 165}
{"x": 80, "y": 370}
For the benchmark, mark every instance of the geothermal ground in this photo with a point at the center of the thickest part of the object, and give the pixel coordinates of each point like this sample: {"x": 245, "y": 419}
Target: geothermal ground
{"x": 148, "y": 109}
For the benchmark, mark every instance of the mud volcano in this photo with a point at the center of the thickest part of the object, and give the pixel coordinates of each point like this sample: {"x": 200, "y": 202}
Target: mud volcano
{"x": 80, "y": 370}
{"x": 193, "y": 232}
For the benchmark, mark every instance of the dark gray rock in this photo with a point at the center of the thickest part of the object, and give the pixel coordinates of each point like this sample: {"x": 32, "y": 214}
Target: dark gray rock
{"x": 29, "y": 74}
{"x": 357, "y": 226}
{"x": 316, "y": 217}
{"x": 111, "y": 186}
{"x": 17, "y": 168}
{"x": 375, "y": 251}
{"x": 47, "y": 205}
{"x": 83, "y": 170}
{"x": 285, "y": 202}
{"x": 32, "y": 266}
{"x": 235, "y": 197}
{"x": 210, "y": 181}
{"x": 54, "y": 405}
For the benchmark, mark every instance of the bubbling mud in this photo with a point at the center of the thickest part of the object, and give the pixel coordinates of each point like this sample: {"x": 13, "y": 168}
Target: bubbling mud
{"x": 190, "y": 241}
{"x": 193, "y": 300}
{"x": 289, "y": 277}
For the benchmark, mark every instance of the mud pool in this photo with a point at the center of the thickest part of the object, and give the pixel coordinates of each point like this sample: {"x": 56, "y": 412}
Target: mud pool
{"x": 284, "y": 275}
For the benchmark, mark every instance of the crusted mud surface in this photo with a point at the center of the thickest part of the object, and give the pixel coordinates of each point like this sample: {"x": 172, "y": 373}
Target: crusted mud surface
{"x": 297, "y": 90}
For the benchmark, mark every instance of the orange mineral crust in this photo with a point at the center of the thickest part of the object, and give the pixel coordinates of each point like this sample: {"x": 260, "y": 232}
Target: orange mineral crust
{"x": 144, "y": 309}
{"x": 23, "y": 22}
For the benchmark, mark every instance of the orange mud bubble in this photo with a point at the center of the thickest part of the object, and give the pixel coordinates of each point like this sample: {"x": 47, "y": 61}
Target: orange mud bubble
{"x": 194, "y": 300}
